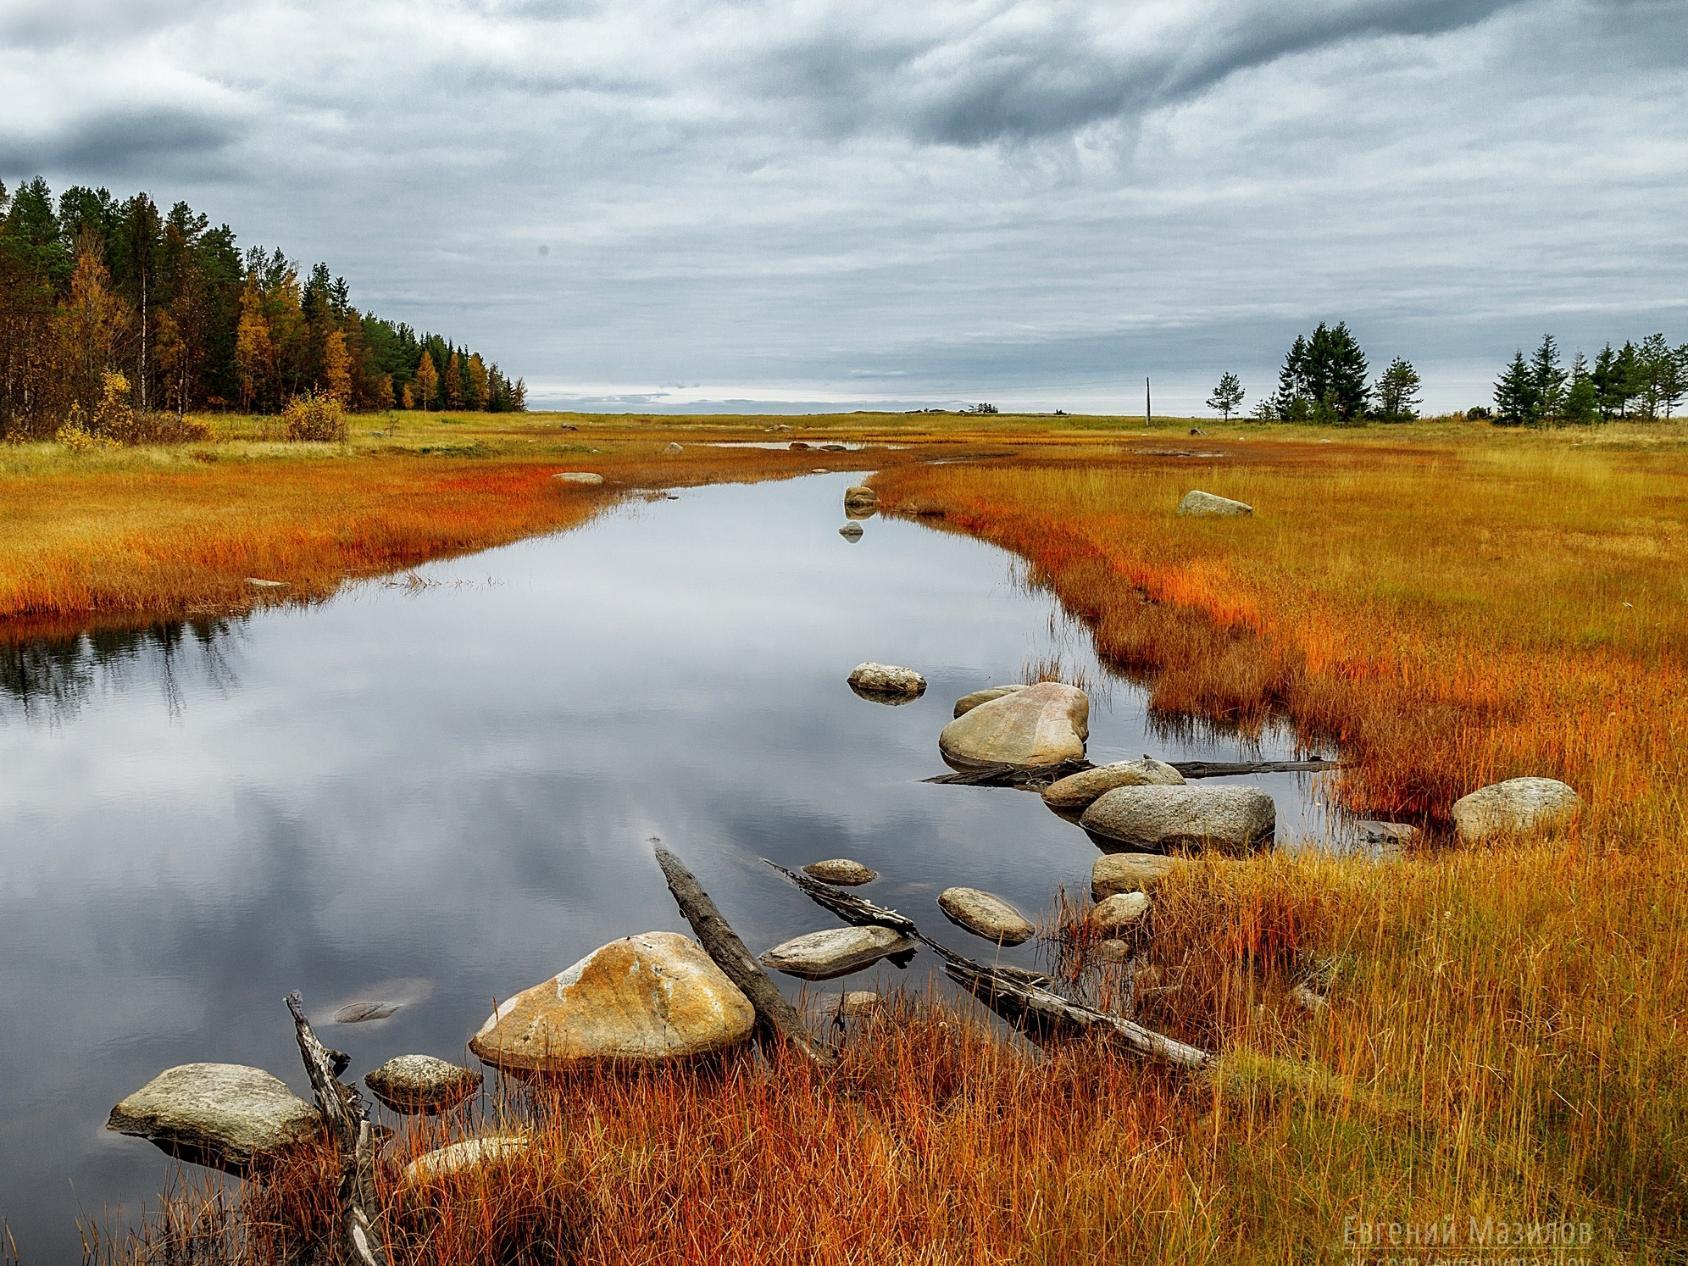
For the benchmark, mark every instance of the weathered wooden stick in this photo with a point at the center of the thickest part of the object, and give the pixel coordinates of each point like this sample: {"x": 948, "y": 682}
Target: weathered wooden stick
{"x": 342, "y": 1107}
{"x": 776, "y": 1019}
{"x": 1012, "y": 992}
{"x": 1036, "y": 779}
{"x": 1230, "y": 768}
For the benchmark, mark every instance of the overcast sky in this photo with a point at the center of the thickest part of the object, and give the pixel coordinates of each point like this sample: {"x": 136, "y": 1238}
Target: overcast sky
{"x": 1035, "y": 202}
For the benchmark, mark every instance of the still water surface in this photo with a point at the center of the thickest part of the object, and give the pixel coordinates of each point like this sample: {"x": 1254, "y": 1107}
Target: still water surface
{"x": 442, "y": 793}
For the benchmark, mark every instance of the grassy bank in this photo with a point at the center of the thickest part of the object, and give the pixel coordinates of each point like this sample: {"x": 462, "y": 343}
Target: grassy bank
{"x": 1505, "y": 1031}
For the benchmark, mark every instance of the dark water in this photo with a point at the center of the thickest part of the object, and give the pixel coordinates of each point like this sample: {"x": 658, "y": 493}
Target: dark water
{"x": 443, "y": 793}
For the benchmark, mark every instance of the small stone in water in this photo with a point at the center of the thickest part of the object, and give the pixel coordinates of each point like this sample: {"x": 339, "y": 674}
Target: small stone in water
{"x": 360, "y": 1012}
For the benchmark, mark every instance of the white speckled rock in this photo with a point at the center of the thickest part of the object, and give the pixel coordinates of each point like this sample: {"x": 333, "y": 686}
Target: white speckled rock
{"x": 444, "y": 1163}
{"x": 887, "y": 681}
{"x": 835, "y": 952}
{"x": 1128, "y": 872}
{"x": 1159, "y": 819}
{"x": 656, "y": 996}
{"x": 1077, "y": 791}
{"x": 985, "y": 914}
{"x": 1118, "y": 913}
{"x": 1205, "y": 504}
{"x": 841, "y": 870}
{"x": 223, "y": 1115}
{"x": 421, "y": 1083}
{"x": 1043, "y": 724}
{"x": 1513, "y": 807}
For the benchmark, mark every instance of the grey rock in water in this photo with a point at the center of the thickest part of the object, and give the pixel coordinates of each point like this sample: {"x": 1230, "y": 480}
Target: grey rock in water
{"x": 227, "y": 1116}
{"x": 578, "y": 477}
{"x": 1514, "y": 807}
{"x": 363, "y": 1012}
{"x": 1394, "y": 835}
{"x": 841, "y": 870}
{"x": 967, "y": 703}
{"x": 1128, "y": 872}
{"x": 1118, "y": 913}
{"x": 1161, "y": 819}
{"x": 860, "y": 497}
{"x": 858, "y": 1003}
{"x": 985, "y": 914}
{"x": 1205, "y": 504}
{"x": 1044, "y": 724}
{"x": 882, "y": 682}
{"x": 835, "y": 952}
{"x": 422, "y": 1084}
{"x": 651, "y": 997}
{"x": 851, "y": 532}
{"x": 1078, "y": 791}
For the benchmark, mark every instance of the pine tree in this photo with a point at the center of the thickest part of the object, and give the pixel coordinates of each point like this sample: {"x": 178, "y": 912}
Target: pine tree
{"x": 1515, "y": 394}
{"x": 1227, "y": 395}
{"x": 1581, "y": 400}
{"x": 1608, "y": 394}
{"x": 1291, "y": 400}
{"x": 1547, "y": 380}
{"x": 1397, "y": 392}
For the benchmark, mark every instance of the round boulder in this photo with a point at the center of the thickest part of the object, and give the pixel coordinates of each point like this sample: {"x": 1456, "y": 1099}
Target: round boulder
{"x": 883, "y": 682}
{"x": 1044, "y": 724}
{"x": 656, "y": 996}
{"x": 415, "y": 1084}
{"x": 227, "y": 1116}
{"x": 851, "y": 532}
{"x": 841, "y": 870}
{"x": 1128, "y": 872}
{"x": 578, "y": 477}
{"x": 456, "y": 1159}
{"x": 1163, "y": 819}
{"x": 673, "y": 448}
{"x": 835, "y": 952}
{"x": 985, "y": 914}
{"x": 1118, "y": 913}
{"x": 967, "y": 703}
{"x": 1207, "y": 505}
{"x": 1077, "y": 791}
{"x": 860, "y": 497}
{"x": 1514, "y": 807}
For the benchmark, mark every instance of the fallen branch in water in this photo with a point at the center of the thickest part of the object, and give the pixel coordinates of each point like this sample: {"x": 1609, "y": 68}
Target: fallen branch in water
{"x": 342, "y": 1108}
{"x": 1039, "y": 777}
{"x": 776, "y": 1019}
{"x": 1012, "y": 992}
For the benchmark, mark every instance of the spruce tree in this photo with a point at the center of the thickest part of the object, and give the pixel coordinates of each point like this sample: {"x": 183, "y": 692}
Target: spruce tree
{"x": 1227, "y": 395}
{"x": 1397, "y": 392}
{"x": 1547, "y": 377}
{"x": 1581, "y": 401}
{"x": 1515, "y": 394}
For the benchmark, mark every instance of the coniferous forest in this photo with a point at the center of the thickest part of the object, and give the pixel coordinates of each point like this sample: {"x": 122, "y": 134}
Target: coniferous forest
{"x": 99, "y": 294}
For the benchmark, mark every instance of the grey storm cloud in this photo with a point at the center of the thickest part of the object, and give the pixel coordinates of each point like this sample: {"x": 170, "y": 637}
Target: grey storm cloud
{"x": 881, "y": 201}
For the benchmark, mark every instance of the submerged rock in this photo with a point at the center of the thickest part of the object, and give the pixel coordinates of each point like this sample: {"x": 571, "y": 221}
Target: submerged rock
{"x": 364, "y": 1012}
{"x": 1205, "y": 504}
{"x": 858, "y": 1003}
{"x": 851, "y": 532}
{"x": 840, "y": 870}
{"x": 1513, "y": 807}
{"x": 882, "y": 682}
{"x": 1077, "y": 791}
{"x": 835, "y": 952}
{"x": 1118, "y": 913}
{"x": 967, "y": 703}
{"x": 445, "y": 1163}
{"x": 578, "y": 477}
{"x": 1160, "y": 818}
{"x": 227, "y": 1116}
{"x": 656, "y": 996}
{"x": 1043, "y": 724}
{"x": 1128, "y": 872}
{"x": 985, "y": 914}
{"x": 421, "y": 1083}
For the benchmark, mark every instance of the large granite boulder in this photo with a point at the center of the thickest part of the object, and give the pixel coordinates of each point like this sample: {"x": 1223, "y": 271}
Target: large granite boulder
{"x": 656, "y": 996}
{"x": 985, "y": 914}
{"x": 1206, "y": 505}
{"x": 1043, "y": 724}
{"x": 967, "y": 703}
{"x": 1514, "y": 807}
{"x": 887, "y": 682}
{"x": 835, "y": 952}
{"x": 227, "y": 1116}
{"x": 422, "y": 1084}
{"x": 1164, "y": 819}
{"x": 1128, "y": 872}
{"x": 1078, "y": 791}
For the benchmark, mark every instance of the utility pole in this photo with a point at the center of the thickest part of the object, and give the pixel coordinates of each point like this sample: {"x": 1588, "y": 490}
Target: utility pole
{"x": 1148, "y": 404}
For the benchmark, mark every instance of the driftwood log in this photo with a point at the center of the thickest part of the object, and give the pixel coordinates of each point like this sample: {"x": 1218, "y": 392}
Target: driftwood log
{"x": 342, "y": 1108}
{"x": 1025, "y": 999}
{"x": 1039, "y": 777}
{"x": 777, "y": 1021}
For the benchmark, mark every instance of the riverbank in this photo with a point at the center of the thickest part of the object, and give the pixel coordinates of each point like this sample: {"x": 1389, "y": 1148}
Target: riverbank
{"x": 1501, "y": 1032}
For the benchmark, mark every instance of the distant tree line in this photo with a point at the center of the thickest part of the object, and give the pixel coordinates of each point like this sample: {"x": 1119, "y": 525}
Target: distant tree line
{"x": 1645, "y": 380}
{"x": 1324, "y": 379}
{"x": 92, "y": 287}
